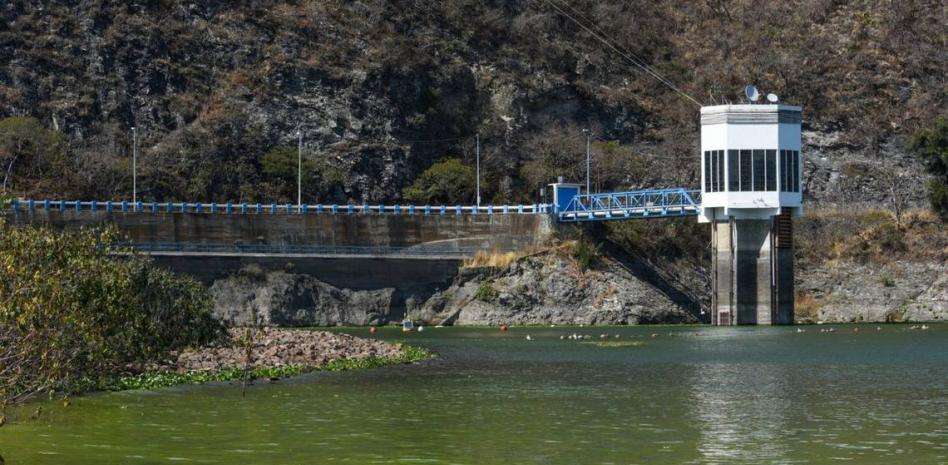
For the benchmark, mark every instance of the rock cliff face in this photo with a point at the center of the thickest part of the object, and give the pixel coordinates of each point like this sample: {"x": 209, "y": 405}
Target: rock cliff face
{"x": 896, "y": 292}
{"x": 541, "y": 289}
{"x": 285, "y": 299}
{"x": 551, "y": 289}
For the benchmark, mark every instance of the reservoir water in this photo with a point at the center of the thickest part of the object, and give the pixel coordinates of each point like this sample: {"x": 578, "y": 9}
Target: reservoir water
{"x": 688, "y": 395}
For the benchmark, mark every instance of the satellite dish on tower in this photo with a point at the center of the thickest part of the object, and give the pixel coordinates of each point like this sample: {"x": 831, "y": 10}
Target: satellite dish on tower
{"x": 751, "y": 92}
{"x": 772, "y": 98}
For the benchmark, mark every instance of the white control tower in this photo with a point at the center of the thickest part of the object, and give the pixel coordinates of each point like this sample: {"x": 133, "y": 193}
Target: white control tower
{"x": 751, "y": 165}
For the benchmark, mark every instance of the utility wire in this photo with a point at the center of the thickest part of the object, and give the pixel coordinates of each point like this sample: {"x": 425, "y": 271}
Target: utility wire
{"x": 638, "y": 61}
{"x": 627, "y": 55}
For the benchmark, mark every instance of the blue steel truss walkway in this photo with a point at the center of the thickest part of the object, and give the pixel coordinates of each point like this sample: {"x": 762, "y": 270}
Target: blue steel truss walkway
{"x": 651, "y": 203}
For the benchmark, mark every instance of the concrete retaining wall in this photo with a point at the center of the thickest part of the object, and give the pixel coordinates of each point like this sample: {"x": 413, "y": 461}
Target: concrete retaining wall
{"x": 486, "y": 232}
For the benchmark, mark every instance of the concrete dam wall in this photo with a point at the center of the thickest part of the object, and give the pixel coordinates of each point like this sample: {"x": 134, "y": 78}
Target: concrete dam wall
{"x": 458, "y": 234}
{"x": 370, "y": 269}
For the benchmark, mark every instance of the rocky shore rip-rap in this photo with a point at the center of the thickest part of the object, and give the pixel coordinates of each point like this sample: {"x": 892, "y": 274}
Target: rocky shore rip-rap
{"x": 274, "y": 347}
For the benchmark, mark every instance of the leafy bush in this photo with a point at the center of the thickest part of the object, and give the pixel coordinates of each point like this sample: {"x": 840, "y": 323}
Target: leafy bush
{"x": 486, "y": 292}
{"x": 931, "y": 145}
{"x": 28, "y": 148}
{"x": 74, "y": 309}
{"x": 445, "y": 182}
{"x": 586, "y": 253}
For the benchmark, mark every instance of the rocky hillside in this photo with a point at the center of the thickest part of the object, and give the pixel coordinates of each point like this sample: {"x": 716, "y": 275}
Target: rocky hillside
{"x": 543, "y": 287}
{"x": 379, "y": 91}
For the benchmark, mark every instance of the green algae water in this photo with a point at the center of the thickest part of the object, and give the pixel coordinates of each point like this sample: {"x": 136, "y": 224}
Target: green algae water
{"x": 688, "y": 395}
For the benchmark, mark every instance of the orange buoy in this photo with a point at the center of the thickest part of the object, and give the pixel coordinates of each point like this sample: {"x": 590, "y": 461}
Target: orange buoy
{"x": 373, "y": 330}
{"x": 503, "y": 327}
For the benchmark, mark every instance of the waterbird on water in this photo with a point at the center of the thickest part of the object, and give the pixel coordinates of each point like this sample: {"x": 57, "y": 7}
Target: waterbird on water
{"x": 800, "y": 330}
{"x": 529, "y": 338}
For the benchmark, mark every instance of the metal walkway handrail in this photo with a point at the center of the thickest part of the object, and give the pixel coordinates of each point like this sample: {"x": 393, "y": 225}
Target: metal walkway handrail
{"x": 272, "y": 208}
{"x": 651, "y": 203}
{"x": 297, "y": 249}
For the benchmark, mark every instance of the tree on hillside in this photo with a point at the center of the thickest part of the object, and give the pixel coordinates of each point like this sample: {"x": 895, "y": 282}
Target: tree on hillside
{"x": 931, "y": 146}
{"x": 280, "y": 169}
{"x": 445, "y": 182}
{"x": 27, "y": 148}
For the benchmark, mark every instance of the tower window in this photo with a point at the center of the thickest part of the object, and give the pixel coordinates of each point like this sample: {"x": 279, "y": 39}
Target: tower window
{"x": 707, "y": 171}
{"x": 796, "y": 171}
{"x": 759, "y": 166}
{"x": 746, "y": 172}
{"x": 733, "y": 171}
{"x": 771, "y": 162}
{"x": 720, "y": 173}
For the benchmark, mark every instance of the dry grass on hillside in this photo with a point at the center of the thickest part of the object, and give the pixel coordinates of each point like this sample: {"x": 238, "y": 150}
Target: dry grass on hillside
{"x": 828, "y": 237}
{"x": 497, "y": 259}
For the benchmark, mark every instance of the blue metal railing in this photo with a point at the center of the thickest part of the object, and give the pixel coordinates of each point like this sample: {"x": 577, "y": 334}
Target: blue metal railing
{"x": 299, "y": 249}
{"x": 652, "y": 203}
{"x": 273, "y": 208}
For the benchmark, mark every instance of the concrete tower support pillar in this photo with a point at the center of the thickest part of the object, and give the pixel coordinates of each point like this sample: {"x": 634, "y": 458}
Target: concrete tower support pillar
{"x": 752, "y": 274}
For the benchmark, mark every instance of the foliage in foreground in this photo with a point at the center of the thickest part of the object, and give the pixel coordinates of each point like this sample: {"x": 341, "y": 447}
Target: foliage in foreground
{"x": 150, "y": 381}
{"x": 73, "y": 313}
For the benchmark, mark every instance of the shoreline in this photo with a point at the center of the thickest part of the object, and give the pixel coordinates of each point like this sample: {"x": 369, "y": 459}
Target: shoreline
{"x": 276, "y": 353}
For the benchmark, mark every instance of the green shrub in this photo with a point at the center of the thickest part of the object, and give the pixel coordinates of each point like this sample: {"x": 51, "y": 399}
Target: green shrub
{"x": 586, "y": 253}
{"x": 445, "y": 182}
{"x": 74, "y": 309}
{"x": 486, "y": 292}
{"x": 931, "y": 146}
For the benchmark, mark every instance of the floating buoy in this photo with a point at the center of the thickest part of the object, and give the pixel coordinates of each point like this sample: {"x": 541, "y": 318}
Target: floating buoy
{"x": 503, "y": 327}
{"x": 373, "y": 330}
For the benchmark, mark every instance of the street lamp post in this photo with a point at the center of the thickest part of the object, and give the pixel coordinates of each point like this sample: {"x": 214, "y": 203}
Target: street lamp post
{"x": 588, "y": 135}
{"x": 134, "y": 165}
{"x": 299, "y": 170}
{"x": 477, "y": 151}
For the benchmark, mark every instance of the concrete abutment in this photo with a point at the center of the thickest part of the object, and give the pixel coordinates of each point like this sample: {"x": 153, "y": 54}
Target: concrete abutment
{"x": 752, "y": 271}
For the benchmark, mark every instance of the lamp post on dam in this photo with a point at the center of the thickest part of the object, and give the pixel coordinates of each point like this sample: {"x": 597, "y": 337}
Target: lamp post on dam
{"x": 750, "y": 191}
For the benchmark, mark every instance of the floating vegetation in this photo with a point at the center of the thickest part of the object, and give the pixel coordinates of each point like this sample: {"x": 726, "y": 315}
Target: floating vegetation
{"x": 616, "y": 343}
{"x": 156, "y": 380}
